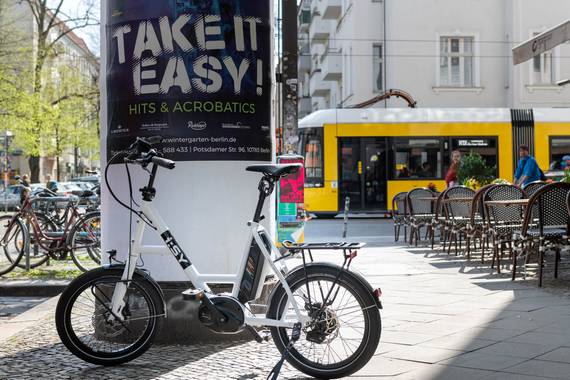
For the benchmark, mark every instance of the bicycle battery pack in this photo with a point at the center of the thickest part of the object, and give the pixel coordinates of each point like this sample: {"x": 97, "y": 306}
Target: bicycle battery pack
{"x": 253, "y": 273}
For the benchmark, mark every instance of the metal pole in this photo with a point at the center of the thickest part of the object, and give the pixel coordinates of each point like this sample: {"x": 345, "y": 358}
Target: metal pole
{"x": 6, "y": 171}
{"x": 346, "y": 209}
{"x": 289, "y": 86}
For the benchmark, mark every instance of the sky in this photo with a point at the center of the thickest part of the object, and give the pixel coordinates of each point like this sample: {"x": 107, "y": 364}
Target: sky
{"x": 91, "y": 35}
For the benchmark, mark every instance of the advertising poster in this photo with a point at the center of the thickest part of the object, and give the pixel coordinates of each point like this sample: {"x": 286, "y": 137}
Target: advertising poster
{"x": 197, "y": 73}
{"x": 291, "y": 203}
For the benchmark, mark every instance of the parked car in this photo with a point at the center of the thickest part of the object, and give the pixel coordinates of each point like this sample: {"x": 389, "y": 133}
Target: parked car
{"x": 10, "y": 198}
{"x": 95, "y": 179}
{"x": 69, "y": 188}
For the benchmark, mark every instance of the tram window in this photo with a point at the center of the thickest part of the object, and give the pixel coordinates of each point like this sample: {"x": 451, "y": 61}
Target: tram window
{"x": 559, "y": 147}
{"x": 311, "y": 147}
{"x": 485, "y": 146}
{"x": 417, "y": 158}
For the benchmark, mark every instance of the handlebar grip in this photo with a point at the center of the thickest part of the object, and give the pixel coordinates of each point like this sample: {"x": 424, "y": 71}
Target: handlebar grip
{"x": 163, "y": 162}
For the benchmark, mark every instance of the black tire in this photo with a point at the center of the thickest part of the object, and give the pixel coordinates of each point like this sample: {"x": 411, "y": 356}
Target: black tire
{"x": 370, "y": 315}
{"x": 14, "y": 242}
{"x": 85, "y": 246}
{"x": 104, "y": 277}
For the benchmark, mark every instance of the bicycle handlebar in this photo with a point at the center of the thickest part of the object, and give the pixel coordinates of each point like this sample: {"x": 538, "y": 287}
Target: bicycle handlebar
{"x": 163, "y": 162}
{"x": 146, "y": 158}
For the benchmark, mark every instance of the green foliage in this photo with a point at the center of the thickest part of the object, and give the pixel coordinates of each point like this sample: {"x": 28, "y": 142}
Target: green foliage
{"x": 48, "y": 104}
{"x": 473, "y": 166}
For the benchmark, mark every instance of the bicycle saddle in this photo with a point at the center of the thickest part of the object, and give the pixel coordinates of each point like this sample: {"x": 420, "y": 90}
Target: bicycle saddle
{"x": 275, "y": 170}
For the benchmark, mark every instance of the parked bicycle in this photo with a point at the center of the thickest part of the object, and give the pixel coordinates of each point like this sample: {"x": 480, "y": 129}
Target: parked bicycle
{"x": 39, "y": 235}
{"x": 323, "y": 318}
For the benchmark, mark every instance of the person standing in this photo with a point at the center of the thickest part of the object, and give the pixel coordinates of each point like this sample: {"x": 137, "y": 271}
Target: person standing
{"x": 527, "y": 169}
{"x": 451, "y": 176}
{"x": 26, "y": 180}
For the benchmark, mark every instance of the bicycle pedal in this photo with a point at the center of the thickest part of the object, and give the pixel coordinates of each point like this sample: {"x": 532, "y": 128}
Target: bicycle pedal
{"x": 193, "y": 295}
{"x": 265, "y": 335}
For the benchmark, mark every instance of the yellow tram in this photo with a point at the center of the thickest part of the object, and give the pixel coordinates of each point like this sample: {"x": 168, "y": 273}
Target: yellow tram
{"x": 369, "y": 155}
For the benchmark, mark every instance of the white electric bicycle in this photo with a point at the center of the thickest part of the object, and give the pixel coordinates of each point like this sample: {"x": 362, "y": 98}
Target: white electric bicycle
{"x": 323, "y": 318}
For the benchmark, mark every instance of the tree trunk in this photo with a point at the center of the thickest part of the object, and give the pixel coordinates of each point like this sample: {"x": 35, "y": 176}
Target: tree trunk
{"x": 57, "y": 168}
{"x": 34, "y": 162}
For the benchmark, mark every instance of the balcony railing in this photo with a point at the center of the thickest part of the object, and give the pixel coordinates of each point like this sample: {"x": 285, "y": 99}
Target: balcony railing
{"x": 319, "y": 87}
{"x": 331, "y": 65}
{"x": 332, "y": 9}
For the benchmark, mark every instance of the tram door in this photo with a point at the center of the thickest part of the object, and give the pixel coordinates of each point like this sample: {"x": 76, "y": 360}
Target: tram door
{"x": 363, "y": 169}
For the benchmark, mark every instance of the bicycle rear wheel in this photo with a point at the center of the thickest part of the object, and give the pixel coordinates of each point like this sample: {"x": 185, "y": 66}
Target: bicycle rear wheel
{"x": 345, "y": 327}
{"x": 14, "y": 241}
{"x": 84, "y": 242}
{"x": 88, "y": 328}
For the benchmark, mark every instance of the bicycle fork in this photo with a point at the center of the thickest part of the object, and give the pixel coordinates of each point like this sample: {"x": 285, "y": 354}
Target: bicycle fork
{"x": 118, "y": 300}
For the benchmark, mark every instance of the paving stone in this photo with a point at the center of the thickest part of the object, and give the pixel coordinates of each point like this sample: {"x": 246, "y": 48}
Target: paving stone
{"x": 535, "y": 367}
{"x": 561, "y": 354}
{"x": 483, "y": 361}
{"x": 423, "y": 354}
{"x": 440, "y": 372}
{"x": 520, "y": 350}
{"x": 458, "y": 342}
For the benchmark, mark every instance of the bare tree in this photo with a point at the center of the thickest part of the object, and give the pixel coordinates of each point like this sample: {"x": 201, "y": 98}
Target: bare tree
{"x": 53, "y": 24}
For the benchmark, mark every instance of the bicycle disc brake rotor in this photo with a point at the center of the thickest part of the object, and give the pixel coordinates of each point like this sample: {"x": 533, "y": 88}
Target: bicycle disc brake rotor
{"x": 325, "y": 326}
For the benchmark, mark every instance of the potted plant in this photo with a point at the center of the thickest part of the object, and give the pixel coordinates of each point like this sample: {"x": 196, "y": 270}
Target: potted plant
{"x": 473, "y": 171}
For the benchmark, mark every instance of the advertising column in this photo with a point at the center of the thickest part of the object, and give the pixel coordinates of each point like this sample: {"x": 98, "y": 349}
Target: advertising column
{"x": 198, "y": 74}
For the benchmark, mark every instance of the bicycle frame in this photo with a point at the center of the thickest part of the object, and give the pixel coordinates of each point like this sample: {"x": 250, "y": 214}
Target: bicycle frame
{"x": 39, "y": 234}
{"x": 199, "y": 280}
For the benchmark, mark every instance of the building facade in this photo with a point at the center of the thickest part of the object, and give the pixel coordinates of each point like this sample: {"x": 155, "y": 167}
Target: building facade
{"x": 445, "y": 53}
{"x": 72, "y": 53}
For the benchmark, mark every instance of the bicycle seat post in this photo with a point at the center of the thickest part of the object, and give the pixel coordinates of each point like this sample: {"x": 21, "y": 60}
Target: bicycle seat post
{"x": 266, "y": 186}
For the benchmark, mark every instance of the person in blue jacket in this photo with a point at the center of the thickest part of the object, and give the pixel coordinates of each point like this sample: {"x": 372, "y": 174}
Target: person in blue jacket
{"x": 527, "y": 169}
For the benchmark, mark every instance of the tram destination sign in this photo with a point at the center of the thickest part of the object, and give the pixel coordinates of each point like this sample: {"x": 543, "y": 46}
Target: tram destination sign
{"x": 197, "y": 73}
{"x": 541, "y": 43}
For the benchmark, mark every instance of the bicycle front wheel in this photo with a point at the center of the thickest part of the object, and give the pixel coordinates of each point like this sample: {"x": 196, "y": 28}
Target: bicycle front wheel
{"x": 92, "y": 332}
{"x": 345, "y": 325}
{"x": 14, "y": 241}
{"x": 84, "y": 242}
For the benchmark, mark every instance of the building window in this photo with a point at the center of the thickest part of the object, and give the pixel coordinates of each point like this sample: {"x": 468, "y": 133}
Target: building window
{"x": 377, "y": 63}
{"x": 417, "y": 158}
{"x": 559, "y": 147}
{"x": 542, "y": 70}
{"x": 484, "y": 146}
{"x": 456, "y": 66}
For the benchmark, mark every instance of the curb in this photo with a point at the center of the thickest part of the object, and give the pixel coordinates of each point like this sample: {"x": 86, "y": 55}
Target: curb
{"x": 35, "y": 288}
{"x": 27, "y": 319}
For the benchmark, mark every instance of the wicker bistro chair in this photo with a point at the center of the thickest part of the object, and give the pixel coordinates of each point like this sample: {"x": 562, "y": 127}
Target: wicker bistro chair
{"x": 438, "y": 221}
{"x": 420, "y": 211}
{"x": 478, "y": 227}
{"x": 551, "y": 230}
{"x": 530, "y": 189}
{"x": 503, "y": 221}
{"x": 399, "y": 215}
{"x": 457, "y": 207}
{"x": 533, "y": 187}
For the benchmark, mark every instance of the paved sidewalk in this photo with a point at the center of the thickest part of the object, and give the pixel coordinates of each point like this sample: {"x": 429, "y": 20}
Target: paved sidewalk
{"x": 443, "y": 319}
{"x": 13, "y": 306}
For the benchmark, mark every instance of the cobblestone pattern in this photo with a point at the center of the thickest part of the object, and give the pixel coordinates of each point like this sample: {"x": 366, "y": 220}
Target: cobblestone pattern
{"x": 38, "y": 353}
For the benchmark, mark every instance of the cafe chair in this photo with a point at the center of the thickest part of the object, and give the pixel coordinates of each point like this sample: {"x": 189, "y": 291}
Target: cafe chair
{"x": 550, "y": 230}
{"x": 420, "y": 209}
{"x": 399, "y": 215}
